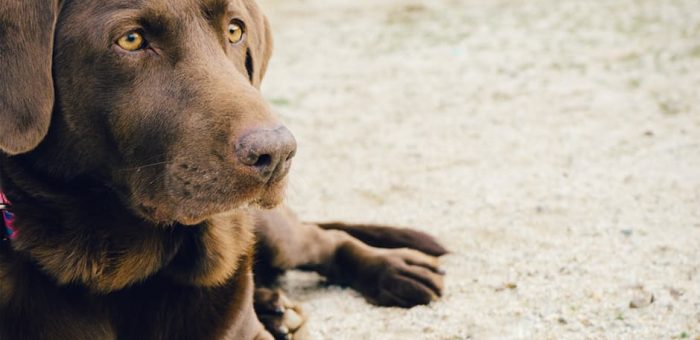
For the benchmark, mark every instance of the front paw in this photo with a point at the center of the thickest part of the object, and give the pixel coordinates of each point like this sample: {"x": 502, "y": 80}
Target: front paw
{"x": 281, "y": 317}
{"x": 390, "y": 277}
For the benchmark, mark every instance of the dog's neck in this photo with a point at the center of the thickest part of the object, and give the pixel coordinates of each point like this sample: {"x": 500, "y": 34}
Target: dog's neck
{"x": 80, "y": 233}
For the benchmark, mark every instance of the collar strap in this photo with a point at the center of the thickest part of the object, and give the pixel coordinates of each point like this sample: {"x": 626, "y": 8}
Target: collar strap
{"x": 8, "y": 231}
{"x": 4, "y": 202}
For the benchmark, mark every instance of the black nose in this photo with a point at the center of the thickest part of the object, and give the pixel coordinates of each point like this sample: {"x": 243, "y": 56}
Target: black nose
{"x": 268, "y": 151}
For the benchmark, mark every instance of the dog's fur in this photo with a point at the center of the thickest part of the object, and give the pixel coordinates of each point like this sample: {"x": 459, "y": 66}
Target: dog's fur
{"x": 134, "y": 219}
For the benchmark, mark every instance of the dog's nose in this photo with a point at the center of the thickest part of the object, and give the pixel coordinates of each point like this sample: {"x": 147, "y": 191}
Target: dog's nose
{"x": 268, "y": 151}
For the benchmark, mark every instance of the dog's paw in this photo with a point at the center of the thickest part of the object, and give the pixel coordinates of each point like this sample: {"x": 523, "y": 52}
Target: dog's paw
{"x": 390, "y": 237}
{"x": 391, "y": 277}
{"x": 281, "y": 317}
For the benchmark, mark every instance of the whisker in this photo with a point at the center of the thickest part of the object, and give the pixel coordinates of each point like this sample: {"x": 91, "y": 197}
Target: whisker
{"x": 145, "y": 166}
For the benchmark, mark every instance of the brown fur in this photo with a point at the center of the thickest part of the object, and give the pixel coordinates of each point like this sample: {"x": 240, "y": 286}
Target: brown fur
{"x": 390, "y": 237}
{"x": 135, "y": 218}
{"x": 26, "y": 28}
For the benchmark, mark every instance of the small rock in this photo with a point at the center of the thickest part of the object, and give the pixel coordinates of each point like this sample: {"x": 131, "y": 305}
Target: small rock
{"x": 562, "y": 321}
{"x": 649, "y": 133}
{"x": 627, "y": 232}
{"x": 643, "y": 299}
{"x": 675, "y": 293}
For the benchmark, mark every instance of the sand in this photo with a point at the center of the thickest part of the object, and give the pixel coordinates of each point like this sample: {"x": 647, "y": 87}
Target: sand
{"x": 552, "y": 145}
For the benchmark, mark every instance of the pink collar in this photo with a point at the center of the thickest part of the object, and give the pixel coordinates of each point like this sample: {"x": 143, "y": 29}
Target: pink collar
{"x": 9, "y": 232}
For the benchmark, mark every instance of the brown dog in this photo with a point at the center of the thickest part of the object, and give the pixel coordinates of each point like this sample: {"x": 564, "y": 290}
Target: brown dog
{"x": 138, "y": 155}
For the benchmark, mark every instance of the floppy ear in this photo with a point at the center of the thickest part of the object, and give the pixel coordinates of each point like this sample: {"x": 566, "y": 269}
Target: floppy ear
{"x": 26, "y": 87}
{"x": 259, "y": 44}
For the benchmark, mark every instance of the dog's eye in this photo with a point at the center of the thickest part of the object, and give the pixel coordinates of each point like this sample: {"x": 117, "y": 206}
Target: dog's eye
{"x": 131, "y": 41}
{"x": 235, "y": 31}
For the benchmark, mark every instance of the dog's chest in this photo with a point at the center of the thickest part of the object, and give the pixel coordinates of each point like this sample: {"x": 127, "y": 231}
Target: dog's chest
{"x": 155, "y": 309}
{"x": 167, "y": 311}
{"x": 204, "y": 292}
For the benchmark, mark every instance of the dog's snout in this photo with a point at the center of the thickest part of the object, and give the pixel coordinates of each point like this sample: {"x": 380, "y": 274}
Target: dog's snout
{"x": 268, "y": 151}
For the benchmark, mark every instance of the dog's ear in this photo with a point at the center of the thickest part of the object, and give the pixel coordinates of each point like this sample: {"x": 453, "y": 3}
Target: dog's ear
{"x": 26, "y": 86}
{"x": 259, "y": 45}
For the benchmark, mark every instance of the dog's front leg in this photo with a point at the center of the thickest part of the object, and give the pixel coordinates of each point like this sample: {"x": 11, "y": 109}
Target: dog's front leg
{"x": 400, "y": 276}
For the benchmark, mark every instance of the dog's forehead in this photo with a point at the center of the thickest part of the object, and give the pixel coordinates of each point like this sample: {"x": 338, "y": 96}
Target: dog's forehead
{"x": 185, "y": 6}
{"x": 110, "y": 18}
{"x": 175, "y": 8}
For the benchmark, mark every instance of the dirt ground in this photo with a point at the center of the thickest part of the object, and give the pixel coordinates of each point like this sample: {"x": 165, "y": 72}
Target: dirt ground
{"x": 552, "y": 145}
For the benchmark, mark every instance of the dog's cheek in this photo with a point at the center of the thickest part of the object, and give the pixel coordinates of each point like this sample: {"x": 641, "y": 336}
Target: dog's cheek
{"x": 145, "y": 141}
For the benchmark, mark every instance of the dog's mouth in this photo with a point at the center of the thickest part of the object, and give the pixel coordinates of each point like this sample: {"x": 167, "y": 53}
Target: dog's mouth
{"x": 190, "y": 187}
{"x": 197, "y": 209}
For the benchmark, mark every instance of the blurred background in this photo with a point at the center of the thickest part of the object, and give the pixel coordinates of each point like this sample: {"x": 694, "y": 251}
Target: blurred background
{"x": 552, "y": 145}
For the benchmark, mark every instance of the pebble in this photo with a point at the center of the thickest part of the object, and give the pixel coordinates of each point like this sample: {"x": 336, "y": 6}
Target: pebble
{"x": 641, "y": 300}
{"x": 675, "y": 293}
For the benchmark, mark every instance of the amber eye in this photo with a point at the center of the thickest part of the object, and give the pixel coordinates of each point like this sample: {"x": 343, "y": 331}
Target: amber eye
{"x": 235, "y": 32}
{"x": 131, "y": 41}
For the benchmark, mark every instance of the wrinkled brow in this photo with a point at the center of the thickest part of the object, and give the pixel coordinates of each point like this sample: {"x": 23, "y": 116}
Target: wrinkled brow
{"x": 214, "y": 8}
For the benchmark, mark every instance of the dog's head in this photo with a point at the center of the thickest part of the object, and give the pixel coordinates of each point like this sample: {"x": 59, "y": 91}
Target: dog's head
{"x": 158, "y": 99}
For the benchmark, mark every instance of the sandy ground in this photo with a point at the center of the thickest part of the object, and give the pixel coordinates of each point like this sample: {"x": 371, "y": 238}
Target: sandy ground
{"x": 552, "y": 145}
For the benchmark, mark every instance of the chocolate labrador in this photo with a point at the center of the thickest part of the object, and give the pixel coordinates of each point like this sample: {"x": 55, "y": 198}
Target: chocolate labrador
{"x": 142, "y": 173}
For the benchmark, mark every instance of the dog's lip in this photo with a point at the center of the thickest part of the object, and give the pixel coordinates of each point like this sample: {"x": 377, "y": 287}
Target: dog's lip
{"x": 272, "y": 194}
{"x": 266, "y": 196}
